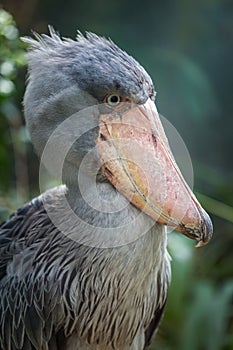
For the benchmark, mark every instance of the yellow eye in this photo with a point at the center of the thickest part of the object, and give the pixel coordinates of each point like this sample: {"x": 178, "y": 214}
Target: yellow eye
{"x": 113, "y": 100}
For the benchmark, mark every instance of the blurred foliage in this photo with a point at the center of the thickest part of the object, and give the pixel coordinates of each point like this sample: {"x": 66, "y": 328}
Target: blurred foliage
{"x": 199, "y": 312}
{"x": 12, "y": 130}
{"x": 187, "y": 48}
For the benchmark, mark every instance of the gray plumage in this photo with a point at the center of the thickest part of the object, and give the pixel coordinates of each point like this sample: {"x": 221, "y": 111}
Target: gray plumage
{"x": 56, "y": 293}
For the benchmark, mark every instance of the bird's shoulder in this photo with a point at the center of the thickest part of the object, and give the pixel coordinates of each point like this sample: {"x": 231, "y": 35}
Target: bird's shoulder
{"x": 31, "y": 303}
{"x": 28, "y": 225}
{"x": 28, "y": 231}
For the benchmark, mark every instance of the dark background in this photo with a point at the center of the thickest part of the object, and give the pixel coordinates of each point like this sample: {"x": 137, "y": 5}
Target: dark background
{"x": 187, "y": 48}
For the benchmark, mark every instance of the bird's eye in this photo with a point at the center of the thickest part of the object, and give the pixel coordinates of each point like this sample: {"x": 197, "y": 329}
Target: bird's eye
{"x": 113, "y": 100}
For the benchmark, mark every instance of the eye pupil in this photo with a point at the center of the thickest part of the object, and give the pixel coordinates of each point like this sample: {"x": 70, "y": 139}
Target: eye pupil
{"x": 113, "y": 100}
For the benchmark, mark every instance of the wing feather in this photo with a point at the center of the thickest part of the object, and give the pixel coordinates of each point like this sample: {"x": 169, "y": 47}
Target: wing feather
{"x": 30, "y": 303}
{"x": 152, "y": 328}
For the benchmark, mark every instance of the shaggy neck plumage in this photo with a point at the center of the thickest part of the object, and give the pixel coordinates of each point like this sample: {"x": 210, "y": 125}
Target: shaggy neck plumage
{"x": 106, "y": 215}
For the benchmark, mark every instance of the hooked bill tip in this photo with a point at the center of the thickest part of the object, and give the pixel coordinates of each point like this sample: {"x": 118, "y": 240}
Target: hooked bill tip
{"x": 201, "y": 244}
{"x": 207, "y": 230}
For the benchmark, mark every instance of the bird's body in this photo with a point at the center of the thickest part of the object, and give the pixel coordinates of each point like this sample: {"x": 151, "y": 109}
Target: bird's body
{"x": 85, "y": 266}
{"x": 81, "y": 293}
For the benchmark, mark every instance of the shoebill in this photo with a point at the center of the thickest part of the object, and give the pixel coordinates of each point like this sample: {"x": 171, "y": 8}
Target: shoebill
{"x": 85, "y": 265}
